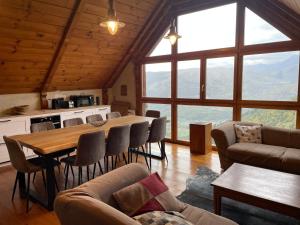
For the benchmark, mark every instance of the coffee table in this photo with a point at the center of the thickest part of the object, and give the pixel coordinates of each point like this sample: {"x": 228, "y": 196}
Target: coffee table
{"x": 264, "y": 188}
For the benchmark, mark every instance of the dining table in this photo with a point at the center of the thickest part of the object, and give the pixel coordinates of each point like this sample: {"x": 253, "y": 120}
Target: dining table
{"x": 48, "y": 143}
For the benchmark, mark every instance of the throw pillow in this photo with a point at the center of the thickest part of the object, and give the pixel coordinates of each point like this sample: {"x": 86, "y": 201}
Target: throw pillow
{"x": 149, "y": 194}
{"x": 162, "y": 218}
{"x": 248, "y": 134}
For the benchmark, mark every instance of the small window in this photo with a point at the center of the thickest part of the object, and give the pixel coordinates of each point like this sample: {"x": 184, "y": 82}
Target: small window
{"x": 189, "y": 113}
{"x": 162, "y": 48}
{"x": 207, "y": 29}
{"x": 165, "y": 110}
{"x": 158, "y": 80}
{"x": 258, "y": 31}
{"x": 271, "y": 117}
{"x": 219, "y": 78}
{"x": 188, "y": 79}
{"x": 271, "y": 77}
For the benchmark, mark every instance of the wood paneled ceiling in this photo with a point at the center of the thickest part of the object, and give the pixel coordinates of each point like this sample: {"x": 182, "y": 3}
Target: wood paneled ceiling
{"x": 32, "y": 33}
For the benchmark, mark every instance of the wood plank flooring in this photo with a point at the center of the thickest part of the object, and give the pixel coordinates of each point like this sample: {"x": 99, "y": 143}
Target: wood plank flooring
{"x": 181, "y": 165}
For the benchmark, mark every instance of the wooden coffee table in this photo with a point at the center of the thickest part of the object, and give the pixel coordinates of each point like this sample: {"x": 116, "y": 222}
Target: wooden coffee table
{"x": 268, "y": 189}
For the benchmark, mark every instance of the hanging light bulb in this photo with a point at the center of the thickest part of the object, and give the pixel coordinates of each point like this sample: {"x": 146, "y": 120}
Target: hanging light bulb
{"x": 112, "y": 23}
{"x": 173, "y": 36}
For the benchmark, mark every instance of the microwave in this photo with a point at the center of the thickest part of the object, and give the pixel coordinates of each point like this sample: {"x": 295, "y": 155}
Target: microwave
{"x": 82, "y": 100}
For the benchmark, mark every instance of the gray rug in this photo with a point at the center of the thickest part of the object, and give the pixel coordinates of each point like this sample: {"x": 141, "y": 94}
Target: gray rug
{"x": 199, "y": 193}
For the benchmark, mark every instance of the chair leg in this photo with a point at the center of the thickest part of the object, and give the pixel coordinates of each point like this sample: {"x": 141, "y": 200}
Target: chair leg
{"x": 72, "y": 172}
{"x": 34, "y": 175}
{"x": 150, "y": 156}
{"x": 15, "y": 186}
{"x": 145, "y": 157}
{"x": 94, "y": 170}
{"x": 44, "y": 180}
{"x": 88, "y": 172}
{"x": 100, "y": 167}
{"x": 112, "y": 162}
{"x": 79, "y": 175}
{"x": 116, "y": 161}
{"x": 67, "y": 175}
{"x": 27, "y": 192}
{"x": 56, "y": 185}
{"x": 124, "y": 157}
{"x": 106, "y": 163}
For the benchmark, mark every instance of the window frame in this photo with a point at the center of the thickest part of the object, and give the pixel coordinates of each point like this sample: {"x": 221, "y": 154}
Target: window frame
{"x": 238, "y": 52}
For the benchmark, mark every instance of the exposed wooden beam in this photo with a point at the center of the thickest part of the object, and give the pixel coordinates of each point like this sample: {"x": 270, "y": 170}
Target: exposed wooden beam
{"x": 149, "y": 26}
{"x": 61, "y": 47}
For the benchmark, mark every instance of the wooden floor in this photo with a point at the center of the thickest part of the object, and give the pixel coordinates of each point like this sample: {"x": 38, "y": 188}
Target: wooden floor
{"x": 181, "y": 165}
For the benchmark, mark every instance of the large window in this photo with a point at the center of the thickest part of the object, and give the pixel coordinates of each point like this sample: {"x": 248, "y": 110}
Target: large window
{"x": 219, "y": 71}
{"x": 272, "y": 76}
{"x": 188, "y": 79}
{"x": 188, "y": 114}
{"x": 204, "y": 30}
{"x": 158, "y": 75}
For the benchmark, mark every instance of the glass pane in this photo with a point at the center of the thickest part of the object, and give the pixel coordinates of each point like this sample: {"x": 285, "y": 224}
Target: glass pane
{"x": 271, "y": 117}
{"x": 258, "y": 31}
{"x": 158, "y": 75}
{"x": 207, "y": 29}
{"x": 190, "y": 113}
{"x": 165, "y": 110}
{"x": 219, "y": 78}
{"x": 163, "y": 47}
{"x": 188, "y": 79}
{"x": 272, "y": 76}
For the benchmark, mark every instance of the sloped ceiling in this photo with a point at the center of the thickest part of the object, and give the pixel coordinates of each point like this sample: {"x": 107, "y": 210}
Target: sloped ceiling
{"x": 31, "y": 30}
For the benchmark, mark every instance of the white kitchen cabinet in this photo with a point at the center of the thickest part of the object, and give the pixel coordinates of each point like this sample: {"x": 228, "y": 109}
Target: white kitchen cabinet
{"x": 12, "y": 126}
{"x": 102, "y": 111}
{"x": 76, "y": 114}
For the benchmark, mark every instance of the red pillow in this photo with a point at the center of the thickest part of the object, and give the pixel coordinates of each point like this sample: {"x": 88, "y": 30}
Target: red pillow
{"x": 149, "y": 194}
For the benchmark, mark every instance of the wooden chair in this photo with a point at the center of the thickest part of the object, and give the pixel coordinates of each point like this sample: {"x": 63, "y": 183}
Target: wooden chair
{"x": 117, "y": 143}
{"x": 90, "y": 150}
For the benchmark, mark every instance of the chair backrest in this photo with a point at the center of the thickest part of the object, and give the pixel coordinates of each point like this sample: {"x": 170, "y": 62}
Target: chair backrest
{"x": 158, "y": 130}
{"x": 91, "y": 148}
{"x": 112, "y": 115}
{"x": 43, "y": 126}
{"x": 16, "y": 155}
{"x": 153, "y": 113}
{"x": 72, "y": 122}
{"x": 94, "y": 118}
{"x": 117, "y": 140}
{"x": 139, "y": 133}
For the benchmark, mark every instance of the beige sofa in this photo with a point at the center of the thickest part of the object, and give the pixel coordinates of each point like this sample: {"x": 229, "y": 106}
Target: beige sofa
{"x": 280, "y": 148}
{"x": 93, "y": 204}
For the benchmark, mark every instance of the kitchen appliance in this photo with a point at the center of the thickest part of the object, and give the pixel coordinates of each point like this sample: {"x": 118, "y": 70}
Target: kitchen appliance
{"x": 82, "y": 100}
{"x": 57, "y": 103}
{"x": 55, "y": 119}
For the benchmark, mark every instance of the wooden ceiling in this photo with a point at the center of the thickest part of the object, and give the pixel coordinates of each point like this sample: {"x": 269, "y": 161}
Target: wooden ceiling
{"x": 50, "y": 45}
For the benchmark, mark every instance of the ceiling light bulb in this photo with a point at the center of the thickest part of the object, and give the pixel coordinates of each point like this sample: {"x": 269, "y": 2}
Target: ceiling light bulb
{"x": 112, "y": 27}
{"x": 172, "y": 39}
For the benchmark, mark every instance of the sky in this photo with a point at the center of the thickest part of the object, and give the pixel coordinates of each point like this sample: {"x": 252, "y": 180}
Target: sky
{"x": 204, "y": 30}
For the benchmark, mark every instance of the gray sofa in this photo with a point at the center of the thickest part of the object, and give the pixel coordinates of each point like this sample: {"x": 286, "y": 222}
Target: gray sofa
{"x": 280, "y": 148}
{"x": 93, "y": 204}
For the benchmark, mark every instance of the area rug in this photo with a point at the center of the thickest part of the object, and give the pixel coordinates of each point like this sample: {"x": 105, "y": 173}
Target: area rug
{"x": 199, "y": 193}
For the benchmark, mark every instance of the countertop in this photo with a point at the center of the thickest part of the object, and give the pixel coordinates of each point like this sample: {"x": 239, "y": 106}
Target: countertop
{"x": 43, "y": 112}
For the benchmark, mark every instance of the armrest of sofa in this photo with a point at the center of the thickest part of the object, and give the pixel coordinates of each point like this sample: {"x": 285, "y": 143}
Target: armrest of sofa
{"x": 224, "y": 136}
{"x": 79, "y": 209}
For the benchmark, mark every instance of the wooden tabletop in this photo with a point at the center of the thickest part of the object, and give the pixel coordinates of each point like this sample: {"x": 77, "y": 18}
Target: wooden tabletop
{"x": 51, "y": 141}
{"x": 275, "y": 186}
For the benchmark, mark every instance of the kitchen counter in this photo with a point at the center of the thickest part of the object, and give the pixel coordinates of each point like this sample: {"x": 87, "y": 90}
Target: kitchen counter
{"x": 46, "y": 112}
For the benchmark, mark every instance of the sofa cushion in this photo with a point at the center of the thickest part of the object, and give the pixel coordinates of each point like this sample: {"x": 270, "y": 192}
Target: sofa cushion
{"x": 199, "y": 216}
{"x": 162, "y": 218}
{"x": 248, "y": 134}
{"x": 291, "y": 160}
{"x": 148, "y": 194}
{"x": 276, "y": 136}
{"x": 256, "y": 154}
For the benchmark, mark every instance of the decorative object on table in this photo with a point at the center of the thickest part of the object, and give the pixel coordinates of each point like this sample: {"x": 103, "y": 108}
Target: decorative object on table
{"x": 112, "y": 23}
{"x": 200, "y": 138}
{"x": 19, "y": 110}
{"x": 199, "y": 193}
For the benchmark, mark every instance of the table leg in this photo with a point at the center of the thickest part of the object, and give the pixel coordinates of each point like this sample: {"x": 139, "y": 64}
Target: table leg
{"x": 50, "y": 182}
{"x": 217, "y": 202}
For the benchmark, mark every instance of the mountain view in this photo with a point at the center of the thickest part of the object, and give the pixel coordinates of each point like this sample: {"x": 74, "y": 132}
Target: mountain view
{"x": 271, "y": 77}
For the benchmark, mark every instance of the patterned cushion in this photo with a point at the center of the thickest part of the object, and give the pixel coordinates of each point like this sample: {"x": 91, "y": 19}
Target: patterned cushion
{"x": 248, "y": 134}
{"x": 162, "y": 218}
{"x": 149, "y": 194}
